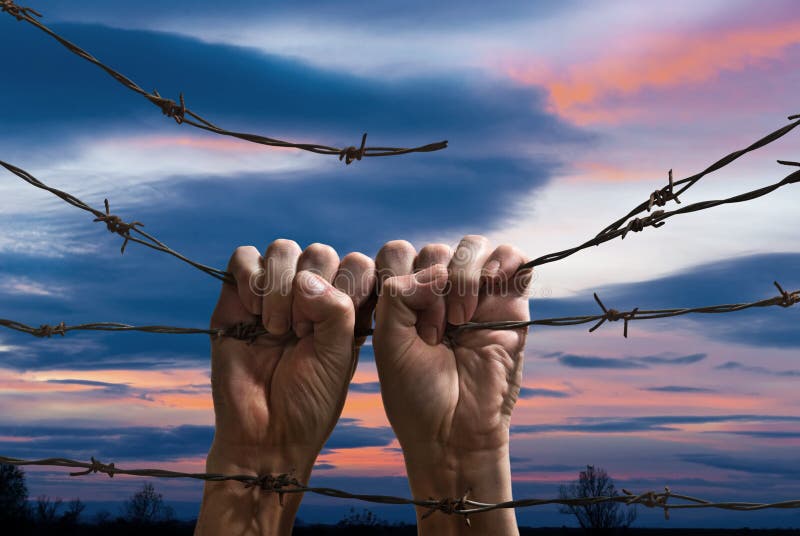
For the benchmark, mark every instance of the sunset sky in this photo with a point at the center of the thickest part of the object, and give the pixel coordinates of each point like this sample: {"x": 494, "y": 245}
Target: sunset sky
{"x": 561, "y": 116}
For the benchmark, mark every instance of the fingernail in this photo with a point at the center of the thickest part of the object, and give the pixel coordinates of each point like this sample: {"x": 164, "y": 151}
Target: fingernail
{"x": 313, "y": 284}
{"x": 456, "y": 314}
{"x": 278, "y": 324}
{"x": 435, "y": 273}
{"x": 429, "y": 334}
{"x": 491, "y": 269}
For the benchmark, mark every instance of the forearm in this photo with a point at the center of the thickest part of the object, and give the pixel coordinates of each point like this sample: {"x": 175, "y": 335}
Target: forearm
{"x": 232, "y": 508}
{"x": 436, "y": 472}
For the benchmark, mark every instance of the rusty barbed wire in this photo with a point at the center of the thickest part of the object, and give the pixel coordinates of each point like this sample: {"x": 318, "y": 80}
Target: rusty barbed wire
{"x": 656, "y": 219}
{"x": 667, "y": 193}
{"x": 284, "y": 483}
{"x": 116, "y": 225}
{"x": 251, "y": 332}
{"x": 182, "y": 114}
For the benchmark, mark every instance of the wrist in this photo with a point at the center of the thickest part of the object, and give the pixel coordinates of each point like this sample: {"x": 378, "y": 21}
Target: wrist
{"x": 437, "y": 471}
{"x": 232, "y": 507}
{"x": 260, "y": 460}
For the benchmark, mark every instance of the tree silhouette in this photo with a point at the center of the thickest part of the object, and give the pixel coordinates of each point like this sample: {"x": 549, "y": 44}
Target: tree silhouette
{"x": 13, "y": 496}
{"x": 46, "y": 510}
{"x": 147, "y": 507}
{"x": 595, "y": 482}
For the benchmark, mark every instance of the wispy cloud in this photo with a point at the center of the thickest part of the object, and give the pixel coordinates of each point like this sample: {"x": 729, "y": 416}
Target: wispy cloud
{"x": 579, "y": 361}
{"x": 757, "y": 369}
{"x": 679, "y": 389}
{"x": 25, "y": 286}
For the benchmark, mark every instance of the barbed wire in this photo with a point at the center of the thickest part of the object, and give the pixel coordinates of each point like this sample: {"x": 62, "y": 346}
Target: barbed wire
{"x": 667, "y": 193}
{"x": 116, "y": 225}
{"x": 284, "y": 483}
{"x": 657, "y": 218}
{"x": 251, "y": 331}
{"x": 182, "y": 114}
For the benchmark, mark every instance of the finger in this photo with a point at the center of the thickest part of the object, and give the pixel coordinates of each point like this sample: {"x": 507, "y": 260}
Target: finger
{"x": 500, "y": 274}
{"x": 321, "y": 309}
{"x": 245, "y": 266}
{"x": 280, "y": 265}
{"x": 465, "y": 278}
{"x": 356, "y": 277}
{"x": 396, "y": 258}
{"x": 320, "y": 259}
{"x": 400, "y": 301}
{"x": 432, "y": 321}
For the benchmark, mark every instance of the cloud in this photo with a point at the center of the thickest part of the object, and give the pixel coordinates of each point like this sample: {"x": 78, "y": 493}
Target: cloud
{"x": 678, "y": 389}
{"x": 237, "y": 86}
{"x": 680, "y": 360}
{"x": 761, "y": 434}
{"x": 646, "y": 61}
{"x": 150, "y": 442}
{"x": 533, "y": 392}
{"x": 577, "y": 361}
{"x": 108, "y": 443}
{"x": 759, "y": 465}
{"x": 367, "y": 387}
{"x": 756, "y": 369}
{"x": 348, "y": 434}
{"x": 741, "y": 279}
{"x": 654, "y": 423}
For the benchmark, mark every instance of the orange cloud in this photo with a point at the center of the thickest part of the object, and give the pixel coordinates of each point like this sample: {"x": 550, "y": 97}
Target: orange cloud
{"x": 659, "y": 61}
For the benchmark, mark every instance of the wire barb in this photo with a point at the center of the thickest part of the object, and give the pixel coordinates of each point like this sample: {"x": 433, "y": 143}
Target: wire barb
{"x": 18, "y": 12}
{"x": 45, "y": 331}
{"x": 612, "y": 315}
{"x": 115, "y": 225}
{"x": 169, "y": 107}
{"x": 351, "y": 153}
{"x": 662, "y": 196}
{"x": 96, "y": 466}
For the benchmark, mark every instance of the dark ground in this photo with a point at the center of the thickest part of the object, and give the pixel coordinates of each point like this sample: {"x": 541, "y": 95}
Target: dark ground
{"x": 187, "y": 528}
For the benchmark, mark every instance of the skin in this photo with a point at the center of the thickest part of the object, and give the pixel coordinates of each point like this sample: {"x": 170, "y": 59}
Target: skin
{"x": 277, "y": 400}
{"x": 449, "y": 400}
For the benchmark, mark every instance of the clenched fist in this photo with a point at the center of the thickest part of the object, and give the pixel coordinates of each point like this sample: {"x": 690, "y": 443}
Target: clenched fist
{"x": 277, "y": 399}
{"x": 449, "y": 396}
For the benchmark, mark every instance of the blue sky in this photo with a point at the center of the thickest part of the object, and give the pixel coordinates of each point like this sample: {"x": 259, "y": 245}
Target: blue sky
{"x": 557, "y": 122}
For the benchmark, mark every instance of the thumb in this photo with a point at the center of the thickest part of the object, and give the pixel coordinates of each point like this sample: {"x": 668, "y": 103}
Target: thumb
{"x": 322, "y": 310}
{"x": 403, "y": 303}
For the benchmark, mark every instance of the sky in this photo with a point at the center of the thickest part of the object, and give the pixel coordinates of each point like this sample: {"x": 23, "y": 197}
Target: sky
{"x": 560, "y": 117}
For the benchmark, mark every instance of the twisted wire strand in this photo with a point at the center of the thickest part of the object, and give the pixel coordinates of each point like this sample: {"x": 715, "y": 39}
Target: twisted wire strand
{"x": 655, "y": 220}
{"x": 130, "y": 232}
{"x": 182, "y": 114}
{"x": 251, "y": 332}
{"x": 667, "y": 193}
{"x": 463, "y": 506}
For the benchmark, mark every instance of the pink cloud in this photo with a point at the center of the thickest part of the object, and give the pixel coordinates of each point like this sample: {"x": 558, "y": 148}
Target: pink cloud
{"x": 603, "y": 89}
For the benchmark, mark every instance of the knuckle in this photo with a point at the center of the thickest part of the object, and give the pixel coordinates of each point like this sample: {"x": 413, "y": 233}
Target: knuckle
{"x": 283, "y": 245}
{"x": 357, "y": 259}
{"x": 395, "y": 247}
{"x": 475, "y": 239}
{"x": 435, "y": 251}
{"x": 320, "y": 251}
{"x": 241, "y": 253}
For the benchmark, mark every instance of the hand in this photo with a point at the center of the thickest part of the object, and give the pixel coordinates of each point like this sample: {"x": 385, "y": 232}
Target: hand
{"x": 450, "y": 400}
{"x": 277, "y": 400}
